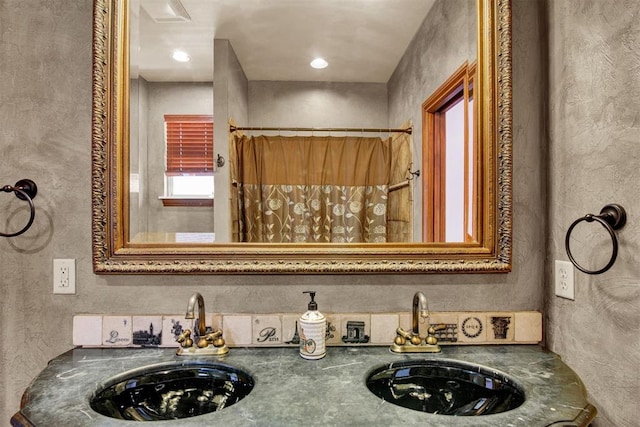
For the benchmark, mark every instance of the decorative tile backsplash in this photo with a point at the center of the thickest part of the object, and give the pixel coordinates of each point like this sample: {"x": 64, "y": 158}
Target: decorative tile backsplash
{"x": 87, "y": 330}
{"x": 116, "y": 331}
{"x": 472, "y": 328}
{"x": 147, "y": 330}
{"x": 383, "y": 328}
{"x": 281, "y": 330}
{"x": 238, "y": 329}
{"x": 267, "y": 330}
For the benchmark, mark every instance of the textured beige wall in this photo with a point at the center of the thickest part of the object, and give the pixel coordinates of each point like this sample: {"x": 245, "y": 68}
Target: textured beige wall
{"x": 45, "y": 134}
{"x": 594, "y": 158}
{"x": 231, "y": 90}
{"x": 171, "y": 98}
{"x": 317, "y": 104}
{"x": 445, "y": 41}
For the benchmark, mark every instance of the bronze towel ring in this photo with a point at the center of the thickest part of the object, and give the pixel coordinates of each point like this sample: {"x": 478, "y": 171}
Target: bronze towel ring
{"x": 25, "y": 189}
{"x": 612, "y": 217}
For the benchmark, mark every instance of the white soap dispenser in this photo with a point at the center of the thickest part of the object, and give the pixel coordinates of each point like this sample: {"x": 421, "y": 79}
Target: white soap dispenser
{"x": 313, "y": 328}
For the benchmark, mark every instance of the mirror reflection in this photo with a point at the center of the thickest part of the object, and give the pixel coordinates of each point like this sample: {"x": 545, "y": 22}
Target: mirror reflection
{"x": 195, "y": 67}
{"x": 440, "y": 68}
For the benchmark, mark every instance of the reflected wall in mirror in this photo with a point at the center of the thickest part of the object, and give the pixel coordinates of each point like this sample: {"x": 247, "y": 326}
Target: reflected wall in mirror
{"x": 143, "y": 224}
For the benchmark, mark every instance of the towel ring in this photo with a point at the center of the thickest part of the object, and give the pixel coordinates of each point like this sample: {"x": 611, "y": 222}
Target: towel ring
{"x": 25, "y": 189}
{"x": 612, "y": 217}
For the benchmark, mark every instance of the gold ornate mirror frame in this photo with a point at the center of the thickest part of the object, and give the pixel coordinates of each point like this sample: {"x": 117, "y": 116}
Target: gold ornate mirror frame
{"x": 112, "y": 252}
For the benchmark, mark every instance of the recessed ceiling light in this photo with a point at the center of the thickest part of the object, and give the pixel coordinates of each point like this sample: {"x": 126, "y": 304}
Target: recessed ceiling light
{"x": 319, "y": 63}
{"x": 181, "y": 56}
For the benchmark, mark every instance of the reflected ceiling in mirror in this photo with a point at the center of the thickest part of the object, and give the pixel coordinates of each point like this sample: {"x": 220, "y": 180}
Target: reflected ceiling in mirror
{"x": 115, "y": 252}
{"x": 275, "y": 40}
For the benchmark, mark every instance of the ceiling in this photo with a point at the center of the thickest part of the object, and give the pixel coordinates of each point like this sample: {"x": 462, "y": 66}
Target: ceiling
{"x": 362, "y": 40}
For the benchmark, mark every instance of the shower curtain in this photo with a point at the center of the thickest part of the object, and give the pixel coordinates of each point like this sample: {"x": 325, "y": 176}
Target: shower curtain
{"x": 310, "y": 189}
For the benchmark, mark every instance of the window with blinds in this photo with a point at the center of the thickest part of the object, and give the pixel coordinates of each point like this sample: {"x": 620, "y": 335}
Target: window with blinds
{"x": 189, "y": 160}
{"x": 189, "y": 144}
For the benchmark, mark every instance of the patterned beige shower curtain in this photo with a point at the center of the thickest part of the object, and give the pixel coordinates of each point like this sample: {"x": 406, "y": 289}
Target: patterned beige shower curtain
{"x": 310, "y": 189}
{"x": 400, "y": 204}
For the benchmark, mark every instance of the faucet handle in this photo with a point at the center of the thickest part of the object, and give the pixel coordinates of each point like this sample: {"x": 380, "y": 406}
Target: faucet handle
{"x": 215, "y": 338}
{"x": 433, "y": 329}
{"x": 404, "y": 335}
{"x": 211, "y": 336}
{"x": 185, "y": 338}
{"x": 431, "y": 333}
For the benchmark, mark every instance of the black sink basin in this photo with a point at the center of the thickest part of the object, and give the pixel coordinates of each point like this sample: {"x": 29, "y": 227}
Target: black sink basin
{"x": 445, "y": 387}
{"x": 172, "y": 391}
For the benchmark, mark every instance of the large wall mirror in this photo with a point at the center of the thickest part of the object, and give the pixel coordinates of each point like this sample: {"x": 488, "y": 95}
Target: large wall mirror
{"x": 418, "y": 91}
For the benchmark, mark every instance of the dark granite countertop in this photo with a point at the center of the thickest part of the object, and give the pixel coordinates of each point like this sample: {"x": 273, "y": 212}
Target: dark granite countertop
{"x": 291, "y": 391}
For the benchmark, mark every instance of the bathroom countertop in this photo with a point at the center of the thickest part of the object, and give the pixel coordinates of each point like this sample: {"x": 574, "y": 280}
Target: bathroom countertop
{"x": 291, "y": 391}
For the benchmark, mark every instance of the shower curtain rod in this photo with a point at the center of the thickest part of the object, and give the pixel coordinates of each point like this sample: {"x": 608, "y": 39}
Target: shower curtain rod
{"x": 408, "y": 130}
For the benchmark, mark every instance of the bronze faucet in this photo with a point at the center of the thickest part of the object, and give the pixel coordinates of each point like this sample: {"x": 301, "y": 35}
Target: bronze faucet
{"x": 210, "y": 343}
{"x": 197, "y": 298}
{"x": 411, "y": 342}
{"x": 419, "y": 309}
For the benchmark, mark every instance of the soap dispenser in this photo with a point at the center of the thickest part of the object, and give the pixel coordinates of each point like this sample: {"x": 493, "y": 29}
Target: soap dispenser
{"x": 313, "y": 328}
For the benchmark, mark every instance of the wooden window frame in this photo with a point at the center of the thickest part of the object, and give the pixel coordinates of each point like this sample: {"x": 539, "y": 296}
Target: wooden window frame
{"x": 457, "y": 88}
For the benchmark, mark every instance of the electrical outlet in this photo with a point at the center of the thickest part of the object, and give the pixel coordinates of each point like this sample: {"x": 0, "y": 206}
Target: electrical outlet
{"x": 64, "y": 276}
{"x": 564, "y": 279}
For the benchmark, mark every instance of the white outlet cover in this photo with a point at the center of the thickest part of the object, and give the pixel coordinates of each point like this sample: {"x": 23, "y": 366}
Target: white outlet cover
{"x": 563, "y": 276}
{"x": 64, "y": 276}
